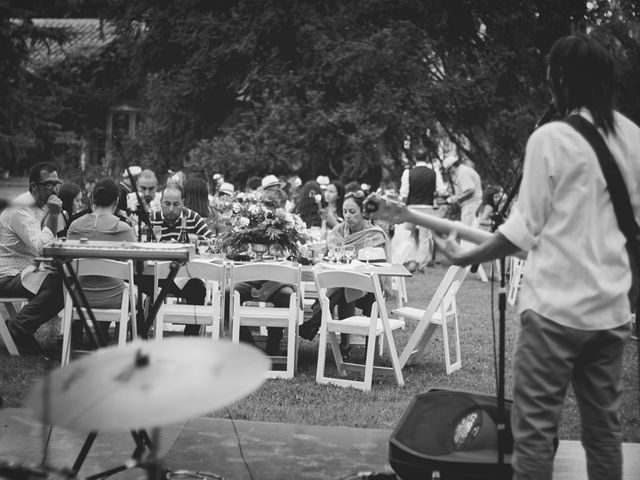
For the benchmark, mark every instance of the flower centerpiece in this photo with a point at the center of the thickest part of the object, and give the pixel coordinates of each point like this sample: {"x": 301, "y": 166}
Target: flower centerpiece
{"x": 252, "y": 223}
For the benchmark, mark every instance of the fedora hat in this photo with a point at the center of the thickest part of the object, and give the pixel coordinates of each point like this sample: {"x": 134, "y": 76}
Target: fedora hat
{"x": 449, "y": 160}
{"x": 227, "y": 188}
{"x": 271, "y": 181}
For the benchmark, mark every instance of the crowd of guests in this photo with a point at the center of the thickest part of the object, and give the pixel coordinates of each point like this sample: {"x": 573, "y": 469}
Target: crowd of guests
{"x": 137, "y": 209}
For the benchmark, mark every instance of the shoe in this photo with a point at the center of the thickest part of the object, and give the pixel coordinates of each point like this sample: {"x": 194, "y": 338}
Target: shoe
{"x": 309, "y": 330}
{"x": 345, "y": 351}
{"x": 26, "y": 343}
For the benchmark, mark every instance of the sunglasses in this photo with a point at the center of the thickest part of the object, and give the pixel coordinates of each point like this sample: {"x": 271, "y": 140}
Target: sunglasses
{"x": 359, "y": 194}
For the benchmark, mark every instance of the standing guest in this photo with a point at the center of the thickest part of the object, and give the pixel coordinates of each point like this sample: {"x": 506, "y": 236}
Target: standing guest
{"x": 466, "y": 186}
{"x": 490, "y": 205}
{"x": 333, "y": 198}
{"x": 71, "y": 196}
{"x": 23, "y": 235}
{"x": 308, "y": 206}
{"x": 418, "y": 190}
{"x": 355, "y": 231}
{"x": 174, "y": 218}
{"x": 102, "y": 224}
{"x": 574, "y": 305}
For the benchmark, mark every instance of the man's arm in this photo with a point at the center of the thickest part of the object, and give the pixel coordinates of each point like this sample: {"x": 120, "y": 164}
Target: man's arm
{"x": 496, "y": 246}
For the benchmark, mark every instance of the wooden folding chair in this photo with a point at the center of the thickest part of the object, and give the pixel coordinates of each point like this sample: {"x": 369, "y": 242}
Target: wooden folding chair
{"x": 123, "y": 315}
{"x": 207, "y": 315}
{"x": 269, "y": 316}
{"x": 439, "y": 313}
{"x": 378, "y": 323}
{"x": 11, "y": 305}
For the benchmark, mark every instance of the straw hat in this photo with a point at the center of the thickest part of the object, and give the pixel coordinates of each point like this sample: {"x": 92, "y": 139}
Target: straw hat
{"x": 227, "y": 188}
{"x": 271, "y": 181}
{"x": 134, "y": 169}
{"x": 449, "y": 160}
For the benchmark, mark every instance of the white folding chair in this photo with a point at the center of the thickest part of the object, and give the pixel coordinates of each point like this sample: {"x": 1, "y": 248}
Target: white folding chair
{"x": 267, "y": 316}
{"x": 378, "y": 323}
{"x": 123, "y": 315}
{"x": 516, "y": 271}
{"x": 439, "y": 313}
{"x": 11, "y": 305}
{"x": 207, "y": 315}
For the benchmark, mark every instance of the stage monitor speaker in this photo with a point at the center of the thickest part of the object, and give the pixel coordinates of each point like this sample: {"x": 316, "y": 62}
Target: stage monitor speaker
{"x": 453, "y": 432}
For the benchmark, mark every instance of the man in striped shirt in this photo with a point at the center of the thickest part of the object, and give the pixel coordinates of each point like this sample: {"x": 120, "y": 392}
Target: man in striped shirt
{"x": 173, "y": 217}
{"x": 173, "y": 213}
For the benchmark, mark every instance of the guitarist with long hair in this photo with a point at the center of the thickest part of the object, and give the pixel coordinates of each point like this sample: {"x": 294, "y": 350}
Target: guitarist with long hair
{"x": 575, "y": 299}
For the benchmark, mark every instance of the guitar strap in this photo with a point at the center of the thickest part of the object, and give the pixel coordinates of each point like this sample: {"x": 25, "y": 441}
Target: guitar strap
{"x": 621, "y": 206}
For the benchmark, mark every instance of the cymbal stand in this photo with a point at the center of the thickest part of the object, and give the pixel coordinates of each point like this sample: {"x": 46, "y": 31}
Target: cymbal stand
{"x": 140, "y": 437}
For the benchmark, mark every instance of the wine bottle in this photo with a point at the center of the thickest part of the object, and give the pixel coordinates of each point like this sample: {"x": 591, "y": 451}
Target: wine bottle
{"x": 184, "y": 237}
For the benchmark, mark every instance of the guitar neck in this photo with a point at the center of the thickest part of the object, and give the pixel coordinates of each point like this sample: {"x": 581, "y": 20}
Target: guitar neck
{"x": 444, "y": 227}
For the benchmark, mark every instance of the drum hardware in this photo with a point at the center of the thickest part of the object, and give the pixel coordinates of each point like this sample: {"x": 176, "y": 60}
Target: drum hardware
{"x": 145, "y": 385}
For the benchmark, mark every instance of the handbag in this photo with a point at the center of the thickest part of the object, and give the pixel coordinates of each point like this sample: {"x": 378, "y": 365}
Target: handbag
{"x": 619, "y": 198}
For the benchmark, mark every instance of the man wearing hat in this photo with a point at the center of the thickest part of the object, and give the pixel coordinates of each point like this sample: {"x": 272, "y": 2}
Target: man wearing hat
{"x": 271, "y": 181}
{"x": 227, "y": 188}
{"x": 467, "y": 187}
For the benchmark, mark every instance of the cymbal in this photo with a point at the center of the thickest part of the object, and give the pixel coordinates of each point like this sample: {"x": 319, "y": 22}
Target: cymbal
{"x": 147, "y": 384}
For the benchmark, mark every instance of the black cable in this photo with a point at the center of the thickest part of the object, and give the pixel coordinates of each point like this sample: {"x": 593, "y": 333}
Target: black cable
{"x": 239, "y": 444}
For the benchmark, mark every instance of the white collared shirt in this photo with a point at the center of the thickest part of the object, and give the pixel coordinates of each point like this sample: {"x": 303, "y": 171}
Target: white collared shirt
{"x": 577, "y": 272}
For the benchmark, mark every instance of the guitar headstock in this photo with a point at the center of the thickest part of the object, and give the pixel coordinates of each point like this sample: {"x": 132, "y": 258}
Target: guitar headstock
{"x": 377, "y": 207}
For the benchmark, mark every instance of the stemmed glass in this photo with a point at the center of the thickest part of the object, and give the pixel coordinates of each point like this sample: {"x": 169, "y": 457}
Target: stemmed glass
{"x": 339, "y": 250}
{"x": 332, "y": 243}
{"x": 349, "y": 253}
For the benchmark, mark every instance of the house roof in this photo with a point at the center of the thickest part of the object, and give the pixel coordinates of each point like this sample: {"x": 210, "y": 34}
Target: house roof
{"x": 87, "y": 36}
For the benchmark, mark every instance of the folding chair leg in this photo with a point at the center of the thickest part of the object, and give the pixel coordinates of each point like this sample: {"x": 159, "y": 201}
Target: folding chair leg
{"x": 4, "y": 331}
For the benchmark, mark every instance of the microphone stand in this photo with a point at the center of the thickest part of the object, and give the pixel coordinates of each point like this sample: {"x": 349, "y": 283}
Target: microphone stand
{"x": 140, "y": 211}
{"x": 497, "y": 218}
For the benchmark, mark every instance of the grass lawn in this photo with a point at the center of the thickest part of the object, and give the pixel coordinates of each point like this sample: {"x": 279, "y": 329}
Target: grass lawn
{"x": 302, "y": 401}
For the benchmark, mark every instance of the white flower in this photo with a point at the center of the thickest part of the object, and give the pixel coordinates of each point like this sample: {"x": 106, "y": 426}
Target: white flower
{"x": 243, "y": 221}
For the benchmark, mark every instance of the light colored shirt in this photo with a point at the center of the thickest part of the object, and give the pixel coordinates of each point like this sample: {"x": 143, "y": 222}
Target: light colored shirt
{"x": 154, "y": 206}
{"x": 22, "y": 238}
{"x": 464, "y": 179}
{"x": 577, "y": 273}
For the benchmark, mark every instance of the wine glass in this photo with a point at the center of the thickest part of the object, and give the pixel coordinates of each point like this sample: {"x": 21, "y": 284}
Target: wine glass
{"x": 349, "y": 253}
{"x": 339, "y": 250}
{"x": 368, "y": 245}
{"x": 331, "y": 248}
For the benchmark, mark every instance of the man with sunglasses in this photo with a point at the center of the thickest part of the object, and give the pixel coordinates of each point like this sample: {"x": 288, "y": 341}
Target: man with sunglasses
{"x": 25, "y": 229}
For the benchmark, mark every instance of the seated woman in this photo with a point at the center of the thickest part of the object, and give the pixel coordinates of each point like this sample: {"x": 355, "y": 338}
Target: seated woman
{"x": 356, "y": 231}
{"x": 71, "y": 197}
{"x": 307, "y": 208}
{"x": 333, "y": 198}
{"x": 102, "y": 224}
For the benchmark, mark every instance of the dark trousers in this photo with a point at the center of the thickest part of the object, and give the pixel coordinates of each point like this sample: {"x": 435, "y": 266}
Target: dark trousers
{"x": 193, "y": 293}
{"x": 41, "y": 307}
{"x": 279, "y": 299}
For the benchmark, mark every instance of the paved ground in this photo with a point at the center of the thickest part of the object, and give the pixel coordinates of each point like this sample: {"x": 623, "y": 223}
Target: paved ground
{"x": 272, "y": 451}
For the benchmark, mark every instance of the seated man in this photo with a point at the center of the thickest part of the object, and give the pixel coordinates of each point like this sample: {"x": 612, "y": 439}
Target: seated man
{"x": 267, "y": 291}
{"x": 175, "y": 218}
{"x": 22, "y": 238}
{"x": 147, "y": 185}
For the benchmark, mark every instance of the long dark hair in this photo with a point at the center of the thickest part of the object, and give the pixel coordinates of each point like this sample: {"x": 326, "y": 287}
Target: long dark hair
{"x": 340, "y": 189}
{"x": 582, "y": 74}
{"x": 307, "y": 207}
{"x": 196, "y": 195}
{"x": 67, "y": 192}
